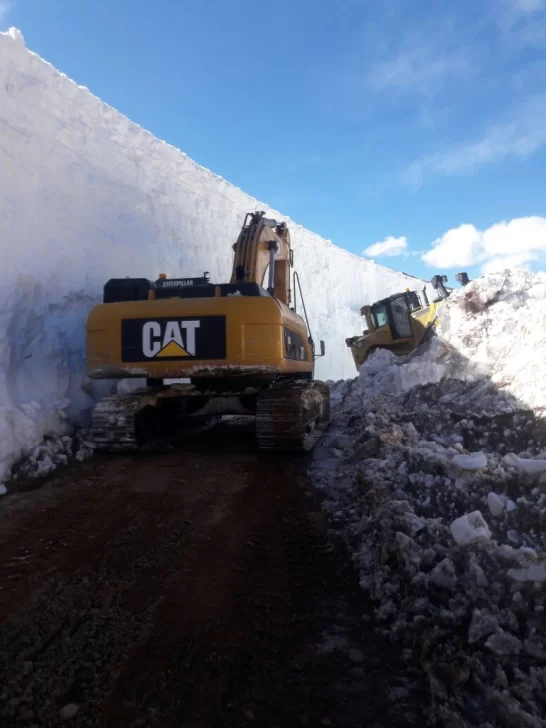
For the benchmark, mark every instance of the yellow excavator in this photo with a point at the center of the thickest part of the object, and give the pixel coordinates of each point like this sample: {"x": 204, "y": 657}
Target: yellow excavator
{"x": 242, "y": 347}
{"x": 400, "y": 322}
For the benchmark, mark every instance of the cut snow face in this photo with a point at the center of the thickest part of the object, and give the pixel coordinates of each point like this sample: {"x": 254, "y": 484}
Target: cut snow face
{"x": 109, "y": 200}
{"x": 433, "y": 472}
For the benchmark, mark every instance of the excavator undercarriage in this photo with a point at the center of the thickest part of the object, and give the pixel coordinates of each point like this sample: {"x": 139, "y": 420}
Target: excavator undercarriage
{"x": 290, "y": 414}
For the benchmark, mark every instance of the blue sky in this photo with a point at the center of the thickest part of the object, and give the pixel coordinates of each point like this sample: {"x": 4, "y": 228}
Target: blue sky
{"x": 417, "y": 126}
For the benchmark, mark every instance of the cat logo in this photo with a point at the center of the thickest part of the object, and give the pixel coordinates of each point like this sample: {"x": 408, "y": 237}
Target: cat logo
{"x": 174, "y": 339}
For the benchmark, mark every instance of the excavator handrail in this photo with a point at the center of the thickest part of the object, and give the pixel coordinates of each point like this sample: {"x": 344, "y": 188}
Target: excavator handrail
{"x": 297, "y": 280}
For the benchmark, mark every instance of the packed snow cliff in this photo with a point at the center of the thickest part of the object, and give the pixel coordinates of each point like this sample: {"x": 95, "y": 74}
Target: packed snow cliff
{"x": 434, "y": 472}
{"x": 86, "y": 195}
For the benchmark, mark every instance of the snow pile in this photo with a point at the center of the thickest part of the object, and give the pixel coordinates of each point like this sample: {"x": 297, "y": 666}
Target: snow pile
{"x": 110, "y": 200}
{"x": 498, "y": 322}
{"x": 435, "y": 476}
{"x": 29, "y": 423}
{"x": 52, "y": 452}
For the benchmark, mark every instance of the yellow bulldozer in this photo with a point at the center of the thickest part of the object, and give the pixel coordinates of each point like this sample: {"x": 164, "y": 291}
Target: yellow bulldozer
{"x": 241, "y": 348}
{"x": 400, "y": 322}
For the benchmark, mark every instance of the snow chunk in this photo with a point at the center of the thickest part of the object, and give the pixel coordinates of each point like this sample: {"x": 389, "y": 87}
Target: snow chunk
{"x": 531, "y": 467}
{"x": 470, "y": 528}
{"x": 474, "y": 461}
{"x": 3, "y": 489}
{"x": 444, "y": 575}
{"x": 483, "y": 623}
{"x": 69, "y": 711}
{"x": 533, "y": 572}
{"x": 380, "y": 360}
{"x": 534, "y": 649}
{"x": 504, "y": 643}
{"x": 496, "y": 504}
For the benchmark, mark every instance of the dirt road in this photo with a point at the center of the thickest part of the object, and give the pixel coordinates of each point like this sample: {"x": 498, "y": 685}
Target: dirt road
{"x": 193, "y": 589}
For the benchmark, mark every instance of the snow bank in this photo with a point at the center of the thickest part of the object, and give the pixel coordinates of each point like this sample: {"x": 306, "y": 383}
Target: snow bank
{"x": 498, "y": 322}
{"x": 86, "y": 195}
{"x": 433, "y": 472}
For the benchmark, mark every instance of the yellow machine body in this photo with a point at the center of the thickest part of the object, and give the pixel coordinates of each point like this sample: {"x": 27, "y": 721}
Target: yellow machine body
{"x": 239, "y": 345}
{"x": 403, "y": 324}
{"x": 262, "y": 338}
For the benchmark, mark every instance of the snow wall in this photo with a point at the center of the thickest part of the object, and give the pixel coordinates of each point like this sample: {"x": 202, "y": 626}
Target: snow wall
{"x": 86, "y": 195}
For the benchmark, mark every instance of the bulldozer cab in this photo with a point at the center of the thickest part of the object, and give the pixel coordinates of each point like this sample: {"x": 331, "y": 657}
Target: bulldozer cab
{"x": 393, "y": 323}
{"x": 395, "y": 313}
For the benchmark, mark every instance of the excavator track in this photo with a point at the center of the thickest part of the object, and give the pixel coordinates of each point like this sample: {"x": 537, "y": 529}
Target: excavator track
{"x": 114, "y": 421}
{"x": 292, "y": 415}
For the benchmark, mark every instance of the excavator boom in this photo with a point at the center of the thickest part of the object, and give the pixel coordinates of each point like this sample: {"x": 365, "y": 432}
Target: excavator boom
{"x": 263, "y": 246}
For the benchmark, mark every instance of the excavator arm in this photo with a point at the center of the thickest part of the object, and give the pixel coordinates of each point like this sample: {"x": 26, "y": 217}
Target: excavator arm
{"x": 264, "y": 244}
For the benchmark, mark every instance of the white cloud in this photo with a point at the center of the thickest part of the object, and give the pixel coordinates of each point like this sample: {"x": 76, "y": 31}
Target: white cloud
{"x": 5, "y": 7}
{"x": 512, "y": 243}
{"x": 521, "y": 137}
{"x": 421, "y": 66}
{"x": 529, "y": 6}
{"x": 521, "y": 23}
{"x": 458, "y": 247}
{"x": 524, "y": 7}
{"x": 389, "y": 246}
{"x": 501, "y": 262}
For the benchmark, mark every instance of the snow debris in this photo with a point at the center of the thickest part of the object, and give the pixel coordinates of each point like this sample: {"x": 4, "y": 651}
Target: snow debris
{"x": 470, "y": 528}
{"x": 464, "y": 596}
{"x": 533, "y": 572}
{"x": 532, "y": 467}
{"x": 3, "y": 489}
{"x": 67, "y": 712}
{"x": 495, "y": 323}
{"x": 495, "y": 503}
{"x": 483, "y": 624}
{"x": 54, "y": 451}
{"x": 444, "y": 575}
{"x": 503, "y": 643}
{"x": 473, "y": 461}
